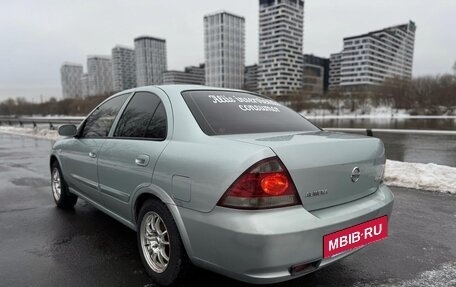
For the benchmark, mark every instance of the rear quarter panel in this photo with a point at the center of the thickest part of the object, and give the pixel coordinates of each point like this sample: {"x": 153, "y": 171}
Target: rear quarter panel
{"x": 197, "y": 174}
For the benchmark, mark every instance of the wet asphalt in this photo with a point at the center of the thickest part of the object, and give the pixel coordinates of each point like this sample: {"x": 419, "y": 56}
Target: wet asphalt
{"x": 41, "y": 245}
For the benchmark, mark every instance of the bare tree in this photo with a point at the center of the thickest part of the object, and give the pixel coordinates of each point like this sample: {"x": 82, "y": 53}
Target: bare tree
{"x": 337, "y": 98}
{"x": 298, "y": 99}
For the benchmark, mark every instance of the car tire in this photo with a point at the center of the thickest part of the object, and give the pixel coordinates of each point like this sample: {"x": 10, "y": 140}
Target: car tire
{"x": 159, "y": 242}
{"x": 60, "y": 191}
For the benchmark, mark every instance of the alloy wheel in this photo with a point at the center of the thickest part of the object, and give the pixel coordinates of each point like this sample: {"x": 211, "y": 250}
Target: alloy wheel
{"x": 56, "y": 184}
{"x": 155, "y": 242}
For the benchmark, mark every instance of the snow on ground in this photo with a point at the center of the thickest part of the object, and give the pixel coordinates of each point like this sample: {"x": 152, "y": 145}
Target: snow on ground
{"x": 377, "y": 113}
{"x": 430, "y": 176}
{"x": 368, "y": 112}
{"x": 32, "y": 132}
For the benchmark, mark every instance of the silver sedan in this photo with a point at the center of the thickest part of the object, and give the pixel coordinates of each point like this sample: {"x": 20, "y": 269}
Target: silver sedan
{"x": 226, "y": 180}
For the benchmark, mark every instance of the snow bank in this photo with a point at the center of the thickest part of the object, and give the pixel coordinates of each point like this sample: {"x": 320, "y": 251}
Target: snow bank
{"x": 32, "y": 132}
{"x": 430, "y": 176}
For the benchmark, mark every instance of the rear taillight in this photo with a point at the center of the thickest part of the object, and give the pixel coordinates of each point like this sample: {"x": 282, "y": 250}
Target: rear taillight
{"x": 266, "y": 184}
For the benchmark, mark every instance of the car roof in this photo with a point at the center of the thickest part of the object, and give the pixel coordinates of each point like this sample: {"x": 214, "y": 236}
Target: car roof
{"x": 173, "y": 90}
{"x": 177, "y": 89}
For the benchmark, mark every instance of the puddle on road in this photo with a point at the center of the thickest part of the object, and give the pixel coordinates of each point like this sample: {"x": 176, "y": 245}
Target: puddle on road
{"x": 20, "y": 166}
{"x": 3, "y": 168}
{"x": 30, "y": 181}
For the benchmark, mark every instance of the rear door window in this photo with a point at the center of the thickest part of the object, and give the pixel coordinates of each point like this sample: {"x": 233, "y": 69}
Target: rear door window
{"x": 157, "y": 127}
{"x": 144, "y": 117}
{"x": 226, "y": 112}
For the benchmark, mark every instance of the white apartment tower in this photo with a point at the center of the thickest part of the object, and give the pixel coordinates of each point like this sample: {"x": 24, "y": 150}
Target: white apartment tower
{"x": 224, "y": 48}
{"x": 123, "y": 68}
{"x": 280, "y": 64}
{"x": 70, "y": 75}
{"x": 99, "y": 70}
{"x": 370, "y": 58}
{"x": 150, "y": 54}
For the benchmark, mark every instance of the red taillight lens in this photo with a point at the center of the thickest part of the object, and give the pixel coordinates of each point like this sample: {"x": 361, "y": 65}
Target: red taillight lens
{"x": 274, "y": 184}
{"x": 267, "y": 184}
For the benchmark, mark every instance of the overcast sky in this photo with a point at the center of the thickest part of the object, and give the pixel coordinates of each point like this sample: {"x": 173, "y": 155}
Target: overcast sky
{"x": 37, "y": 36}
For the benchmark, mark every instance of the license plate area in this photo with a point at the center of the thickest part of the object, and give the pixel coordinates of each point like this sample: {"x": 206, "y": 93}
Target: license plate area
{"x": 355, "y": 236}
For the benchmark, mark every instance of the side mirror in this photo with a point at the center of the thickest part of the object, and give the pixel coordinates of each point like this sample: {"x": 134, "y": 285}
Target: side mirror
{"x": 68, "y": 130}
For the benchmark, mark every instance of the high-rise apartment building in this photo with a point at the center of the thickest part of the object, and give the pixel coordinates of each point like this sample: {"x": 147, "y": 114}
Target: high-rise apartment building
{"x": 369, "y": 59}
{"x": 85, "y": 85}
{"x": 251, "y": 78}
{"x": 310, "y": 59}
{"x": 280, "y": 65}
{"x": 199, "y": 70}
{"x": 191, "y": 75}
{"x": 313, "y": 78}
{"x": 70, "y": 75}
{"x": 99, "y": 70}
{"x": 123, "y": 68}
{"x": 151, "y": 63}
{"x": 335, "y": 61}
{"x": 224, "y": 48}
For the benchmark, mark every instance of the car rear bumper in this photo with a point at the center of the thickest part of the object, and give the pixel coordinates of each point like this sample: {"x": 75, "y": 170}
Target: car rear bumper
{"x": 261, "y": 246}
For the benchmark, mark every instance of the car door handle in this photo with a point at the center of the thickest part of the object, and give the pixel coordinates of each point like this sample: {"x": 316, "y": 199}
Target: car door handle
{"x": 142, "y": 160}
{"x": 92, "y": 154}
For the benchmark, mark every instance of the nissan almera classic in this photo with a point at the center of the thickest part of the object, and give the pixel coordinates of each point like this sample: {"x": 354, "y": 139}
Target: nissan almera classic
{"x": 226, "y": 180}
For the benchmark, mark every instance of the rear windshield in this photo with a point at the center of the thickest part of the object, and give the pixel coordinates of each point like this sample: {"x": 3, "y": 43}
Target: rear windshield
{"x": 223, "y": 113}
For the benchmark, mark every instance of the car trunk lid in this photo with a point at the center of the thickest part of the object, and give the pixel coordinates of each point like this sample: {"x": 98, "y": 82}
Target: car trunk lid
{"x": 324, "y": 166}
